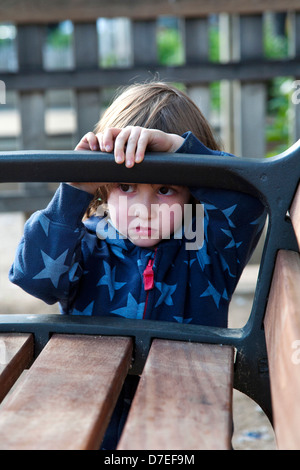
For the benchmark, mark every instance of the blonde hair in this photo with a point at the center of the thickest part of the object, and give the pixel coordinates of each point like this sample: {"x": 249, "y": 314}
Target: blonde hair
{"x": 153, "y": 105}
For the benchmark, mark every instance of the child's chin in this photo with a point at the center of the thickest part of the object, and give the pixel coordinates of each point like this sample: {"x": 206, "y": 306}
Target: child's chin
{"x": 145, "y": 242}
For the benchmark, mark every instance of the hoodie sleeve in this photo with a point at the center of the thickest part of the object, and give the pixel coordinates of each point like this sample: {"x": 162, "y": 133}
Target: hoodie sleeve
{"x": 47, "y": 264}
{"x": 233, "y": 221}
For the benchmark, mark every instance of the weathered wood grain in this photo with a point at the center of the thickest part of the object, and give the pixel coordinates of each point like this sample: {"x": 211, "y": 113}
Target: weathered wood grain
{"x": 16, "y": 353}
{"x": 67, "y": 397}
{"x": 184, "y": 399}
{"x": 282, "y": 327}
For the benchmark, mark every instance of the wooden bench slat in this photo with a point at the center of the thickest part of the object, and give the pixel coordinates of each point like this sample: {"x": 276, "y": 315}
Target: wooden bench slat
{"x": 184, "y": 399}
{"x": 282, "y": 328}
{"x": 295, "y": 214}
{"x": 16, "y": 354}
{"x": 67, "y": 397}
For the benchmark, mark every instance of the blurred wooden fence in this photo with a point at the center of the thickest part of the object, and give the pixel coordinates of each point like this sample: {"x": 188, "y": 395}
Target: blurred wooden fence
{"x": 243, "y": 69}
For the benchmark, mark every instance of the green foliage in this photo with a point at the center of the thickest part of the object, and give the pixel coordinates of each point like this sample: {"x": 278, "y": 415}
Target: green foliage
{"x": 276, "y": 46}
{"x": 279, "y": 93}
{"x": 278, "y": 112}
{"x": 170, "y": 47}
{"x": 58, "y": 38}
{"x": 214, "y": 56}
{"x": 214, "y": 43}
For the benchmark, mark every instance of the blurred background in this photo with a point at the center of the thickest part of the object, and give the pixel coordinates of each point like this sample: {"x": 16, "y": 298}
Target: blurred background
{"x": 61, "y": 64}
{"x": 168, "y": 56}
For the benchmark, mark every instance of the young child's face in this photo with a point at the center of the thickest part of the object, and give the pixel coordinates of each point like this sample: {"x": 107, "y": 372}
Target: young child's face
{"x": 147, "y": 213}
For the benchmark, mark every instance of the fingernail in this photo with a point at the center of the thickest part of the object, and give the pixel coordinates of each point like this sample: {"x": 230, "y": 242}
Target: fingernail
{"x": 119, "y": 159}
{"x": 108, "y": 148}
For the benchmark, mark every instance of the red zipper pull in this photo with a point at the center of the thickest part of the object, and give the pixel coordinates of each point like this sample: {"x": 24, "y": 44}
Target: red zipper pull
{"x": 148, "y": 276}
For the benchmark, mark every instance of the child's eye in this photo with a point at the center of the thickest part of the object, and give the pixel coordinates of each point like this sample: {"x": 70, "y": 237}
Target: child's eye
{"x": 166, "y": 191}
{"x": 126, "y": 188}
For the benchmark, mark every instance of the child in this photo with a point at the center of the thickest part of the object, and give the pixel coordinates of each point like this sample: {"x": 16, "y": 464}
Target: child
{"x": 127, "y": 262}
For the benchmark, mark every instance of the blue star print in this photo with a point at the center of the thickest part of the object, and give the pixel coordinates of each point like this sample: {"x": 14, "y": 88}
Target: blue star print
{"x": 203, "y": 257}
{"x": 227, "y": 213}
{"x": 132, "y": 309}
{"x": 232, "y": 243}
{"x": 45, "y": 222}
{"x": 166, "y": 293}
{"x": 183, "y": 320}
{"x": 54, "y": 268}
{"x": 87, "y": 311}
{"x": 211, "y": 291}
{"x": 109, "y": 280}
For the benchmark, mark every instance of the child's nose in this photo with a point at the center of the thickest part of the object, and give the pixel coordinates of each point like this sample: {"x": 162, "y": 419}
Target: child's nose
{"x": 145, "y": 208}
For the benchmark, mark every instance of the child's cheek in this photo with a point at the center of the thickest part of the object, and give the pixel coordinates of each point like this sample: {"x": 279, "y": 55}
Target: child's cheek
{"x": 121, "y": 222}
{"x": 171, "y": 221}
{"x": 118, "y": 213}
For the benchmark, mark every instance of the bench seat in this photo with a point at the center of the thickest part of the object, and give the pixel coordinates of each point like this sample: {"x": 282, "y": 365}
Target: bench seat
{"x": 67, "y": 396}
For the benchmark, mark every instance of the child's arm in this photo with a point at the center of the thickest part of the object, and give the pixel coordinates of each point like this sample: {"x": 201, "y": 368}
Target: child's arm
{"x": 48, "y": 261}
{"x": 233, "y": 220}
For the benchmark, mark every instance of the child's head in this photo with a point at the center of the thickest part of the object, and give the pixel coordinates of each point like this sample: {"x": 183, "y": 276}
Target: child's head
{"x": 157, "y": 105}
{"x": 153, "y": 105}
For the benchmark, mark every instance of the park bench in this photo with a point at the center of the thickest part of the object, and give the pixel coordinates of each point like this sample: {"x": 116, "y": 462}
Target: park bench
{"x": 71, "y": 369}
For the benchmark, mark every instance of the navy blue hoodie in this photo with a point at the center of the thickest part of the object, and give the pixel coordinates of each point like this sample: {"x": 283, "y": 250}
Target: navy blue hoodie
{"x": 62, "y": 259}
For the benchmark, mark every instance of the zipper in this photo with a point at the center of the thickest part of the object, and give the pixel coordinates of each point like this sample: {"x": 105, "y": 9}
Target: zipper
{"x": 148, "y": 277}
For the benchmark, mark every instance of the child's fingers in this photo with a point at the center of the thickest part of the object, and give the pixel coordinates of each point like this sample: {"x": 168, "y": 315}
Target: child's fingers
{"x": 108, "y": 139}
{"x": 132, "y": 144}
{"x": 129, "y": 144}
{"x": 121, "y": 144}
{"x": 88, "y": 142}
{"x": 142, "y": 145}
{"x": 92, "y": 141}
{"x": 83, "y": 144}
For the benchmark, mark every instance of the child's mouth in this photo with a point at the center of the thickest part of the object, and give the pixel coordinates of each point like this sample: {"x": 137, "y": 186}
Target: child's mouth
{"x": 144, "y": 231}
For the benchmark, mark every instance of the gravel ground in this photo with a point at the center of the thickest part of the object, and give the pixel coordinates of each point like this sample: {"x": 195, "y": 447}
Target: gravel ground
{"x": 252, "y": 430}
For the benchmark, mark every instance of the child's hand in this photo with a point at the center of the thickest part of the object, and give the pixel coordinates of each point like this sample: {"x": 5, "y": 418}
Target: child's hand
{"x": 88, "y": 142}
{"x": 129, "y": 144}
